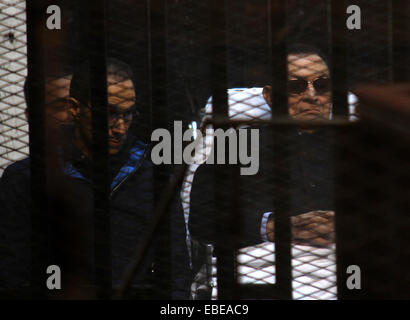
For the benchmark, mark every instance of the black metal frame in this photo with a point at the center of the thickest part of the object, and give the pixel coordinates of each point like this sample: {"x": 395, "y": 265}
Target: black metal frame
{"x": 36, "y": 99}
{"x": 95, "y": 42}
{"x": 160, "y": 119}
{"x": 339, "y": 58}
{"x": 401, "y": 41}
{"x": 224, "y": 215}
{"x": 281, "y": 143}
{"x": 97, "y": 48}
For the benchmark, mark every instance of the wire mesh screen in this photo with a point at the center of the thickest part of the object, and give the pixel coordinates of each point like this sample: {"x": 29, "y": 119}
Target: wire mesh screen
{"x": 14, "y": 130}
{"x": 196, "y": 149}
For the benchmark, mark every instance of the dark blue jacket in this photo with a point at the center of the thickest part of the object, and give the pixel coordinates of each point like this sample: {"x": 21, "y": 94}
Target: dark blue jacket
{"x": 132, "y": 205}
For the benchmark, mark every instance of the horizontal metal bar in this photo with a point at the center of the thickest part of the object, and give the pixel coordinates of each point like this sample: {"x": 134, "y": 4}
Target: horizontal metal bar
{"x": 285, "y": 121}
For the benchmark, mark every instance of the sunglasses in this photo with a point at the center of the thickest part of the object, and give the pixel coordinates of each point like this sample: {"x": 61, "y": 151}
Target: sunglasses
{"x": 321, "y": 85}
{"x": 114, "y": 115}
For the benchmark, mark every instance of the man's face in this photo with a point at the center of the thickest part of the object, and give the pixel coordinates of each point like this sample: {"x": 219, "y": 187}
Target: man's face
{"x": 309, "y": 92}
{"x": 57, "y": 108}
{"x": 57, "y": 91}
{"x": 121, "y": 107}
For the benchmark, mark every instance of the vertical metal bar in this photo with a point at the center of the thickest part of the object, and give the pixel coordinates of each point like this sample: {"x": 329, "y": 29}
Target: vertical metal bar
{"x": 218, "y": 59}
{"x": 223, "y": 245}
{"x": 281, "y": 168}
{"x": 390, "y": 40}
{"x": 339, "y": 58}
{"x": 158, "y": 67}
{"x": 36, "y": 99}
{"x": 98, "y": 85}
{"x": 401, "y": 40}
{"x": 160, "y": 119}
{"x": 149, "y": 63}
{"x": 340, "y": 108}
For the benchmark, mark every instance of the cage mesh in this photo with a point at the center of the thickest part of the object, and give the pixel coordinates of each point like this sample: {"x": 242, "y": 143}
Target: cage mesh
{"x": 14, "y": 130}
{"x": 178, "y": 59}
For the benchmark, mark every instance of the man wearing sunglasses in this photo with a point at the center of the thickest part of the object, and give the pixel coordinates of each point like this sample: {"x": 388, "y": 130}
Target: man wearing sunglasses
{"x": 131, "y": 196}
{"x": 309, "y": 99}
{"x": 309, "y": 87}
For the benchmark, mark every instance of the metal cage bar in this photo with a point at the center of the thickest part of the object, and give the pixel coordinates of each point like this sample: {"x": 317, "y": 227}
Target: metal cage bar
{"x": 339, "y": 58}
{"x": 340, "y": 108}
{"x": 160, "y": 117}
{"x": 36, "y": 99}
{"x": 280, "y": 136}
{"x": 282, "y": 289}
{"x": 94, "y": 41}
{"x": 401, "y": 41}
{"x": 224, "y": 246}
{"x": 98, "y": 85}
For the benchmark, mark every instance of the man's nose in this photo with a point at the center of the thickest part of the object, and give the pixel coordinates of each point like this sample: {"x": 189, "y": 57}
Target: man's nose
{"x": 119, "y": 126}
{"x": 310, "y": 93}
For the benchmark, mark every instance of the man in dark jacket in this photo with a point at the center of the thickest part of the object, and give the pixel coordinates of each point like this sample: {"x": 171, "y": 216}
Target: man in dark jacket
{"x": 131, "y": 198}
{"x": 311, "y": 172}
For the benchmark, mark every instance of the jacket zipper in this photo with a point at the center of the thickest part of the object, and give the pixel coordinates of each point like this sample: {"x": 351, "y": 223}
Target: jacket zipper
{"x": 128, "y": 176}
{"x": 123, "y": 180}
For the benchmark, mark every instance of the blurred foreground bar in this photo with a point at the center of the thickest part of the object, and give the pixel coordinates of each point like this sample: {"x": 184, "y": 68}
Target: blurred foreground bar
{"x": 373, "y": 186}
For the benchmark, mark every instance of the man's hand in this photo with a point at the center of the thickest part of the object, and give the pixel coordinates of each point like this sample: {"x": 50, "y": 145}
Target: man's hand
{"x": 315, "y": 228}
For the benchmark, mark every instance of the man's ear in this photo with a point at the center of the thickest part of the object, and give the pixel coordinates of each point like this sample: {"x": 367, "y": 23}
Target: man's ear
{"x": 267, "y": 94}
{"x": 73, "y": 108}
